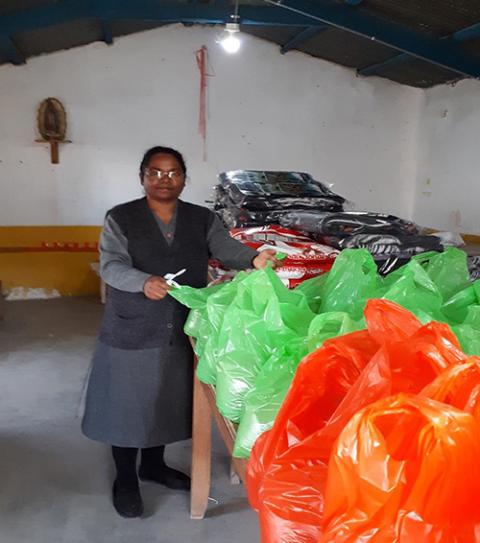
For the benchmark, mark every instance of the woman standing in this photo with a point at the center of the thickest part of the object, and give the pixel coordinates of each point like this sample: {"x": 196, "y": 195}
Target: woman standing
{"x": 139, "y": 393}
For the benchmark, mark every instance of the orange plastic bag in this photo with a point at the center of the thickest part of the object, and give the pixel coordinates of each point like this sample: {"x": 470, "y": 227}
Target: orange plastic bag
{"x": 292, "y": 487}
{"x": 321, "y": 382}
{"x": 405, "y": 470}
{"x": 287, "y": 469}
{"x": 312, "y": 400}
{"x": 459, "y": 387}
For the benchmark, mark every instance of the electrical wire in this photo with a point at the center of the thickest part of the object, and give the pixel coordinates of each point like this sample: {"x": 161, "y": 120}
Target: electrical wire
{"x": 235, "y": 16}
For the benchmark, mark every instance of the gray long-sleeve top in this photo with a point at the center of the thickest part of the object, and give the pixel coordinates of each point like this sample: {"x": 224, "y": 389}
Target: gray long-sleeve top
{"x": 116, "y": 267}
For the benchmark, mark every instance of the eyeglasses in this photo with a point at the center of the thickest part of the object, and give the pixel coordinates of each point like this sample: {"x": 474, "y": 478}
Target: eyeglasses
{"x": 153, "y": 173}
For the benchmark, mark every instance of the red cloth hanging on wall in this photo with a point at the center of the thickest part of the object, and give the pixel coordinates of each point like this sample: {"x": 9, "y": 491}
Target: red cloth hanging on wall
{"x": 202, "y": 61}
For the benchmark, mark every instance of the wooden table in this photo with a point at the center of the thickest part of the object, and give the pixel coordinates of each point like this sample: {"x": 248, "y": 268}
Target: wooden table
{"x": 2, "y": 304}
{"x": 204, "y": 411}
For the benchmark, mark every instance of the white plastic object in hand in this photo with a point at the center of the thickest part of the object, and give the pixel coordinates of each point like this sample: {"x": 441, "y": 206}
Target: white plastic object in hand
{"x": 169, "y": 277}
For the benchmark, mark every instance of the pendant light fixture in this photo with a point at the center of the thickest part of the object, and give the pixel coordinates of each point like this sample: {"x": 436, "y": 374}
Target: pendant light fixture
{"x": 229, "y": 39}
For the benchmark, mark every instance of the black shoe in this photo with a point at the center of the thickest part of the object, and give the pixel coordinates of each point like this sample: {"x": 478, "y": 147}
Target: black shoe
{"x": 127, "y": 501}
{"x": 166, "y": 476}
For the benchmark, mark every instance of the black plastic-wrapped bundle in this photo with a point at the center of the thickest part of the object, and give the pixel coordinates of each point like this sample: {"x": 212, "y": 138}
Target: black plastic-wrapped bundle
{"x": 348, "y": 223}
{"x": 389, "y": 264}
{"x": 474, "y": 267}
{"x": 385, "y": 245}
{"x": 259, "y": 190}
{"x": 234, "y": 217}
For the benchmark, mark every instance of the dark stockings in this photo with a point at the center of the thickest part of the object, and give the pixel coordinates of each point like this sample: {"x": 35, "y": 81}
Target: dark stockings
{"x": 125, "y": 459}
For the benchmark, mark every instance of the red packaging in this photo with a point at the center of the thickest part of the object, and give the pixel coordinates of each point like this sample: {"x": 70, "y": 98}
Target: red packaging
{"x": 305, "y": 258}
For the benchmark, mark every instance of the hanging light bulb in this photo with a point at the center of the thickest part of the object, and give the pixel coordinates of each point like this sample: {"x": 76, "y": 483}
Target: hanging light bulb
{"x": 229, "y": 40}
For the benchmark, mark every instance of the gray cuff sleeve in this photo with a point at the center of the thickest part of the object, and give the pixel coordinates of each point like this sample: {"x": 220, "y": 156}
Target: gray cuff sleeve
{"x": 116, "y": 267}
{"x": 230, "y": 252}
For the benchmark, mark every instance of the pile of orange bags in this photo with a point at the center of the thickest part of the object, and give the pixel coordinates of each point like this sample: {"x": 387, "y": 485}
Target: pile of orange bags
{"x": 377, "y": 441}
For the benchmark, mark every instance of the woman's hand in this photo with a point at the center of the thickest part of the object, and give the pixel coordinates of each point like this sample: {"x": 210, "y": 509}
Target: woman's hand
{"x": 156, "y": 288}
{"x": 263, "y": 258}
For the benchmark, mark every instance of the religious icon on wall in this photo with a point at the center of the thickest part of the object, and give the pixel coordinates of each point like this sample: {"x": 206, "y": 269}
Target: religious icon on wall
{"x": 52, "y": 125}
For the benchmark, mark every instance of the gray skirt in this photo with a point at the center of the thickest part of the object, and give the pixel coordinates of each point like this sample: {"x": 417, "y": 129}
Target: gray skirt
{"x": 140, "y": 398}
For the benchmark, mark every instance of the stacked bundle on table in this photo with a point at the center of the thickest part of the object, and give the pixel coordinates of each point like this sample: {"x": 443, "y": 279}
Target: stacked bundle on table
{"x": 257, "y": 198}
{"x": 252, "y": 203}
{"x": 390, "y": 240}
{"x": 310, "y": 209}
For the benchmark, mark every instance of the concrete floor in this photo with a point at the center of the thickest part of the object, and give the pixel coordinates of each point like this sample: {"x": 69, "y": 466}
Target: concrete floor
{"x": 55, "y": 483}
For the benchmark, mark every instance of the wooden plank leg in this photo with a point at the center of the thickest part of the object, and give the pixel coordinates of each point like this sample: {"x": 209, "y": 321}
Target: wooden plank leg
{"x": 2, "y": 304}
{"x": 201, "y": 451}
{"x": 228, "y": 431}
{"x": 234, "y": 478}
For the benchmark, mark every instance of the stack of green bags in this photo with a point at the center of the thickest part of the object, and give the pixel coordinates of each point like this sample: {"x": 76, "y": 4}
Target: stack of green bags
{"x": 252, "y": 332}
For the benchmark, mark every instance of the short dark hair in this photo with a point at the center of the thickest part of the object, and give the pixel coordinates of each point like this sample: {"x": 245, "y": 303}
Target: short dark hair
{"x": 159, "y": 150}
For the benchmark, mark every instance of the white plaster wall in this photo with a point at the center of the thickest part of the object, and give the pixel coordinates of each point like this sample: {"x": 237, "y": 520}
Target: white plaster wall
{"x": 448, "y": 187}
{"x": 265, "y": 111}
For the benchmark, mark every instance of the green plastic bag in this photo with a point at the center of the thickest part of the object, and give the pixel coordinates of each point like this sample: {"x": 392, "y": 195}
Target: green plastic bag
{"x": 468, "y": 337}
{"x": 448, "y": 270}
{"x": 468, "y": 333}
{"x": 253, "y": 332}
{"x": 473, "y": 316}
{"x": 265, "y": 398}
{"x": 312, "y": 289}
{"x": 193, "y": 324}
{"x": 208, "y": 306}
{"x": 457, "y": 307}
{"x": 217, "y": 305}
{"x": 196, "y": 300}
{"x": 412, "y": 288}
{"x": 352, "y": 280}
{"x": 263, "y": 401}
{"x": 239, "y": 360}
{"x": 263, "y": 317}
{"x": 330, "y": 325}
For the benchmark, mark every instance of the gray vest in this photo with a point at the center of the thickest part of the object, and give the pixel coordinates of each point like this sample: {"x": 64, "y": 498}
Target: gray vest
{"x": 131, "y": 320}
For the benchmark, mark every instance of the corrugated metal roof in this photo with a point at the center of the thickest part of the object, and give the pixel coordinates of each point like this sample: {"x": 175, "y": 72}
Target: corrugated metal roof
{"x": 62, "y": 36}
{"x": 347, "y": 49}
{"x": 418, "y": 73}
{"x": 11, "y": 6}
{"x": 436, "y": 17}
